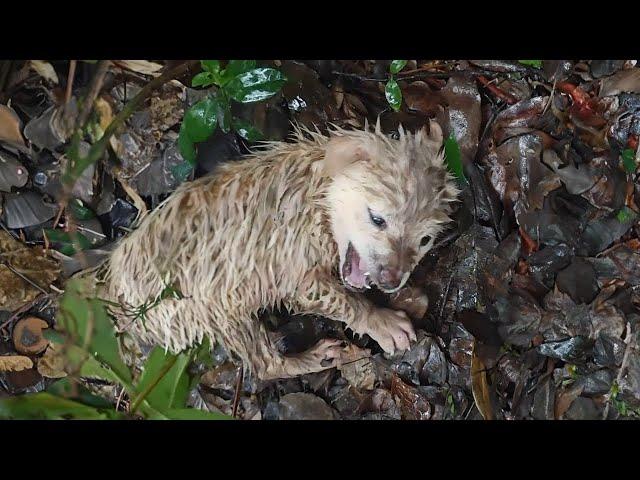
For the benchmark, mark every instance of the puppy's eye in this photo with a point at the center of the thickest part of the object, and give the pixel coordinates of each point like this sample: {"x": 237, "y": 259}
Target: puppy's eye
{"x": 426, "y": 239}
{"x": 377, "y": 220}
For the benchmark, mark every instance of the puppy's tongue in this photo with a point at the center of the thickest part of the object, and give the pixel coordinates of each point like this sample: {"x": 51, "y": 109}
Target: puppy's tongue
{"x": 353, "y": 268}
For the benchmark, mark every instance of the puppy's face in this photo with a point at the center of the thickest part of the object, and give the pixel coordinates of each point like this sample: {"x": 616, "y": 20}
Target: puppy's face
{"x": 388, "y": 201}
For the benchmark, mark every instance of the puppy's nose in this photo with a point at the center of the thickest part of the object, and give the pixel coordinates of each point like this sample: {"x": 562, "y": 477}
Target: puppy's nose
{"x": 390, "y": 278}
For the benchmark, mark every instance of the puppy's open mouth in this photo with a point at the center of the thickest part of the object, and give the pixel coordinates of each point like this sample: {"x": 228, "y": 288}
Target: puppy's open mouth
{"x": 354, "y": 273}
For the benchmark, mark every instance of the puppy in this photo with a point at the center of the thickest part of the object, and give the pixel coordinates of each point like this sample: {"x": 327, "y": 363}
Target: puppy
{"x": 308, "y": 225}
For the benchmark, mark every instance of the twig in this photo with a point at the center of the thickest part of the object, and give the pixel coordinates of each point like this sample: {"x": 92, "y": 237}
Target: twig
{"x": 236, "y": 396}
{"x": 70, "y": 77}
{"x": 497, "y": 91}
{"x": 25, "y": 308}
{"x": 628, "y": 340}
{"x": 24, "y": 277}
{"x": 92, "y": 94}
{"x": 77, "y": 166}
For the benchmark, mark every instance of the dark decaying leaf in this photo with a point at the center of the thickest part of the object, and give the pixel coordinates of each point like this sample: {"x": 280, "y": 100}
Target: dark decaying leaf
{"x": 25, "y": 209}
{"x": 12, "y": 172}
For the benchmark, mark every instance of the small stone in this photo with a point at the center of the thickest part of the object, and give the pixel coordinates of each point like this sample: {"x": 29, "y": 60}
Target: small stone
{"x": 305, "y": 406}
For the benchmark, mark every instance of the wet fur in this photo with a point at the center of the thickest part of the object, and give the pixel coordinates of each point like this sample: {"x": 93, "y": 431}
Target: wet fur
{"x": 260, "y": 232}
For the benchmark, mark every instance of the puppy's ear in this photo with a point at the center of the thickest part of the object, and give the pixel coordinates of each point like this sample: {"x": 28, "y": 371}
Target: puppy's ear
{"x": 341, "y": 152}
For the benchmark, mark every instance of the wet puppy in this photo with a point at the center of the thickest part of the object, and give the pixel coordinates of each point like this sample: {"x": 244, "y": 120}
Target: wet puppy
{"x": 307, "y": 224}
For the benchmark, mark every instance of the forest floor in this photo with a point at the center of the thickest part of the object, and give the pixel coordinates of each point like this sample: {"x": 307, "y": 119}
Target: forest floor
{"x": 533, "y": 291}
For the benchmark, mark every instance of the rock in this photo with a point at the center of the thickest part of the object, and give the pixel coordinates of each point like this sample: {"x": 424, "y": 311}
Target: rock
{"x": 304, "y": 406}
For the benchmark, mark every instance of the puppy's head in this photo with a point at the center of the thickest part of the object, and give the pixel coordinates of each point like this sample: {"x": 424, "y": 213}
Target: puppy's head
{"x": 388, "y": 201}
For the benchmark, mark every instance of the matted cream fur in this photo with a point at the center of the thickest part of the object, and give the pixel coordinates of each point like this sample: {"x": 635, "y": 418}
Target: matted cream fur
{"x": 280, "y": 227}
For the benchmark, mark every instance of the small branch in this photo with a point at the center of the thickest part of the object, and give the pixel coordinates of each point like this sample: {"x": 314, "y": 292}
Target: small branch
{"x": 236, "y": 396}
{"x": 496, "y": 91}
{"x": 25, "y": 308}
{"x": 76, "y": 167}
{"x": 23, "y": 277}
{"x": 628, "y": 340}
{"x": 92, "y": 94}
{"x": 70, "y": 77}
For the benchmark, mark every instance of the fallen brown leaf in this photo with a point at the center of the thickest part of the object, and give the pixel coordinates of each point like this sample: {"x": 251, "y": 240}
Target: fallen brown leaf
{"x": 15, "y": 363}
{"x": 480, "y": 386}
{"x": 51, "y": 364}
{"x": 10, "y": 129}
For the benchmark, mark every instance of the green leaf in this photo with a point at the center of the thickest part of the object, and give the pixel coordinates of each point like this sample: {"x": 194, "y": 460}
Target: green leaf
{"x": 88, "y": 324}
{"x": 66, "y": 242}
{"x": 46, "y": 406}
{"x": 236, "y": 67}
{"x": 255, "y": 85}
{"x": 72, "y": 389}
{"x": 626, "y": 215}
{"x": 172, "y": 388}
{"x": 186, "y": 146}
{"x": 393, "y": 94}
{"x": 79, "y": 210}
{"x": 397, "y": 65}
{"x": 182, "y": 171}
{"x": 194, "y": 414}
{"x": 629, "y": 160}
{"x": 453, "y": 158}
{"x": 224, "y": 113}
{"x": 212, "y": 66}
{"x": 203, "y": 79}
{"x": 532, "y": 63}
{"x": 201, "y": 119}
{"x": 246, "y": 130}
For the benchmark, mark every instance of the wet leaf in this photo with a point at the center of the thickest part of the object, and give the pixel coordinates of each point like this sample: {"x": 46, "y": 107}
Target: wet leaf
{"x": 86, "y": 321}
{"x": 171, "y": 386}
{"x": 186, "y": 146}
{"x": 622, "y": 81}
{"x": 626, "y": 215}
{"x": 79, "y": 211}
{"x": 453, "y": 158}
{"x": 14, "y": 363}
{"x": 46, "y": 406}
{"x": 629, "y": 160}
{"x": 397, "y": 65}
{"x": 66, "y": 242}
{"x": 194, "y": 414}
{"x": 212, "y": 66}
{"x": 480, "y": 386}
{"x": 236, "y": 67}
{"x": 10, "y": 129}
{"x": 201, "y": 120}
{"x": 12, "y": 172}
{"x": 532, "y": 63}
{"x": 394, "y": 94}
{"x": 182, "y": 171}
{"x": 203, "y": 79}
{"x": 246, "y": 130}
{"x": 255, "y": 85}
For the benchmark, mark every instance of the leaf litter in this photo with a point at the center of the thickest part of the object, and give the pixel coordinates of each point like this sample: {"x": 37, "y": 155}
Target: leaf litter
{"x": 525, "y": 308}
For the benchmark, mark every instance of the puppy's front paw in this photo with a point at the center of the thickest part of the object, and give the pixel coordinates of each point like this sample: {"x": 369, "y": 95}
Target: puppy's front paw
{"x": 392, "y": 329}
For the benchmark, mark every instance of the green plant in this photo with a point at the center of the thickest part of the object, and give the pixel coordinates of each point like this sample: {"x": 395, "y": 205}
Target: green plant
{"x": 532, "y": 63}
{"x": 392, "y": 89}
{"x": 241, "y": 81}
{"x": 86, "y": 339}
{"x": 629, "y": 160}
{"x": 453, "y": 158}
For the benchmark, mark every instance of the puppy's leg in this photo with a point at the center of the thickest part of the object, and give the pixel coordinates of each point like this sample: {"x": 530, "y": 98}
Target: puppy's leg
{"x": 321, "y": 294}
{"x": 267, "y": 363}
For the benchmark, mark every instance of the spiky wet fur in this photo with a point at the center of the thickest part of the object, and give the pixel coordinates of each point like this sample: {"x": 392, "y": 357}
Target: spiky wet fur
{"x": 257, "y": 233}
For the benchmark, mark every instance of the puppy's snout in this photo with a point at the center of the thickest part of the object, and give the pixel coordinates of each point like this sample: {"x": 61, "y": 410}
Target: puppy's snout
{"x": 389, "y": 277}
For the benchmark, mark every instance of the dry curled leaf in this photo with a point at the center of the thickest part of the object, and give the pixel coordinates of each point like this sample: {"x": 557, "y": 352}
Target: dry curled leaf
{"x": 10, "y": 129}
{"x": 480, "y": 386}
{"x": 45, "y": 70}
{"x": 15, "y": 363}
{"x": 623, "y": 81}
{"x": 412, "y": 403}
{"x": 143, "y": 67}
{"x": 564, "y": 399}
{"x": 27, "y": 336}
{"x": 51, "y": 364}
{"x": 356, "y": 367}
